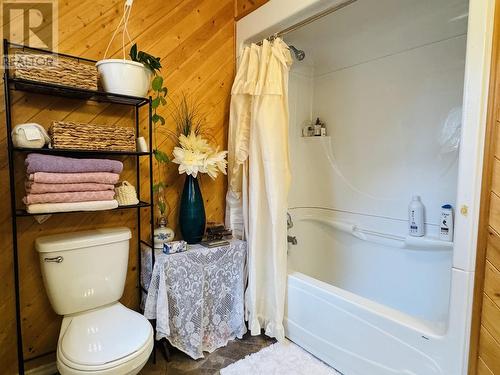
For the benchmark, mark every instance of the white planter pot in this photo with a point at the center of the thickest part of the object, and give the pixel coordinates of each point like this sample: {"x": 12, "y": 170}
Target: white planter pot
{"x": 124, "y": 77}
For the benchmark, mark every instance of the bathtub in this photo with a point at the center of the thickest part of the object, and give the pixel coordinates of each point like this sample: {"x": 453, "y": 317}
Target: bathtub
{"x": 370, "y": 301}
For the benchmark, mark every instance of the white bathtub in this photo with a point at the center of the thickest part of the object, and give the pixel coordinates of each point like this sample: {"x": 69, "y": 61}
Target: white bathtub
{"x": 368, "y": 301}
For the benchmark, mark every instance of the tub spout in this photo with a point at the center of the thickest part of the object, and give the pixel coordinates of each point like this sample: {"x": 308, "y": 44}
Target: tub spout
{"x": 292, "y": 240}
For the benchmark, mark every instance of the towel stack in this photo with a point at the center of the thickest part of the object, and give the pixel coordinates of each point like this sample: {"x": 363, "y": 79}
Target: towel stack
{"x": 60, "y": 184}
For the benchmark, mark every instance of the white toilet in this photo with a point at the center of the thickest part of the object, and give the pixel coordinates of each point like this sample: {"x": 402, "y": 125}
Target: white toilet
{"x": 84, "y": 275}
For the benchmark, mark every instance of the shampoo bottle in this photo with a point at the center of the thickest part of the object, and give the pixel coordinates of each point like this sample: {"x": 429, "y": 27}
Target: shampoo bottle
{"x": 446, "y": 223}
{"x": 323, "y": 129}
{"x": 416, "y": 217}
{"x": 317, "y": 128}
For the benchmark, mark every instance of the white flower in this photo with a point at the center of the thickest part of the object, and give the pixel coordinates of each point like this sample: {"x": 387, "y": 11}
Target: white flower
{"x": 215, "y": 163}
{"x": 194, "y": 142}
{"x": 190, "y": 162}
{"x": 196, "y": 156}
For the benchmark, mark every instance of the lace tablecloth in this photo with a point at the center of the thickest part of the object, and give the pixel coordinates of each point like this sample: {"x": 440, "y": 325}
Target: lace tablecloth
{"x": 197, "y": 297}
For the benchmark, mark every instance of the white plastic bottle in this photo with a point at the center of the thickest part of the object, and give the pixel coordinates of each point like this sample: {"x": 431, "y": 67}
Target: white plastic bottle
{"x": 446, "y": 223}
{"x": 416, "y": 217}
{"x": 317, "y": 128}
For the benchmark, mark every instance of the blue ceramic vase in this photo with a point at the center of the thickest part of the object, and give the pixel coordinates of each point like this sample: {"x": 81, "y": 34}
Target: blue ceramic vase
{"x": 192, "y": 212}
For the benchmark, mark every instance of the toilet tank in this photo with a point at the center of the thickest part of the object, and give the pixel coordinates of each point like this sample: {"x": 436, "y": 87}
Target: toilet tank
{"x": 84, "y": 270}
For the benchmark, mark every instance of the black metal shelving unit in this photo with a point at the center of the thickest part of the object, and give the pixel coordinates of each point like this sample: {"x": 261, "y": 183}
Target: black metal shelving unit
{"x": 34, "y": 87}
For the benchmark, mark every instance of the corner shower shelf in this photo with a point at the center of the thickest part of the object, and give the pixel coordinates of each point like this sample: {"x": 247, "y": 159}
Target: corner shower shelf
{"x": 325, "y": 138}
{"x": 34, "y": 87}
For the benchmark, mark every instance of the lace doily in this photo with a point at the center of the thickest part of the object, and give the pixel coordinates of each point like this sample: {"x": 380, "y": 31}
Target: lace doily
{"x": 197, "y": 296}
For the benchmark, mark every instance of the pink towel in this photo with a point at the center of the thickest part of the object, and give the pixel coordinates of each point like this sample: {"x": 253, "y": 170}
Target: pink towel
{"x": 40, "y": 188}
{"x": 74, "y": 178}
{"x": 79, "y": 196}
{"x": 52, "y": 163}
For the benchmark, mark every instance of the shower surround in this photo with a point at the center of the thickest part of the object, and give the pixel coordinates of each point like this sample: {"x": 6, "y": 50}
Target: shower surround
{"x": 386, "y": 77}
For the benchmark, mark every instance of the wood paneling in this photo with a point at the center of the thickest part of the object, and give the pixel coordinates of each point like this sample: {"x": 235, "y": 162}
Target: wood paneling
{"x": 494, "y": 220}
{"x": 496, "y": 130}
{"x": 491, "y": 317}
{"x": 488, "y": 351}
{"x": 492, "y": 283}
{"x": 244, "y": 7}
{"x": 195, "y": 40}
{"x": 484, "y": 347}
{"x": 482, "y": 369}
{"x": 493, "y": 248}
{"x": 495, "y": 181}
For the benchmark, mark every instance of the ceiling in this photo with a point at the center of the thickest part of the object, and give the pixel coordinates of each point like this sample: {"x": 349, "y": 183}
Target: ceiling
{"x": 370, "y": 29}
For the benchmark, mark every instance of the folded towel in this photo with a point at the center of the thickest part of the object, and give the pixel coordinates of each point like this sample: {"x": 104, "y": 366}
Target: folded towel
{"x": 51, "y": 163}
{"x": 44, "y": 208}
{"x": 76, "y": 196}
{"x": 39, "y": 188}
{"x": 74, "y": 178}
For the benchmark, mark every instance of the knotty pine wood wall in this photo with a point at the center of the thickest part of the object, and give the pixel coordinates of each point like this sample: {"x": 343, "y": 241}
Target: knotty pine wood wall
{"x": 484, "y": 358}
{"x": 195, "y": 39}
{"x": 244, "y": 7}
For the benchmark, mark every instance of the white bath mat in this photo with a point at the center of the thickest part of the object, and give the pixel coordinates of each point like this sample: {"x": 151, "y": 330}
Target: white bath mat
{"x": 282, "y": 358}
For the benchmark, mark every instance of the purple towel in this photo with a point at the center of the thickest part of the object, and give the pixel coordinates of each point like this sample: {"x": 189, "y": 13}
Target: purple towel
{"x": 49, "y": 163}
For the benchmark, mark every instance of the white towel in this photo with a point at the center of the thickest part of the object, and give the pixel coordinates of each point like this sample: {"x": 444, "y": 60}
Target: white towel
{"x": 43, "y": 208}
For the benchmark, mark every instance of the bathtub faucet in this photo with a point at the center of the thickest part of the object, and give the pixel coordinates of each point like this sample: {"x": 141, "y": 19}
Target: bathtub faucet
{"x": 292, "y": 240}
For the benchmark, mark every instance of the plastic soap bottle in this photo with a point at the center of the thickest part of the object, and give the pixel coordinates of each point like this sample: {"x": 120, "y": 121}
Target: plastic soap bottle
{"x": 416, "y": 217}
{"x": 323, "y": 129}
{"x": 446, "y": 223}
{"x": 317, "y": 128}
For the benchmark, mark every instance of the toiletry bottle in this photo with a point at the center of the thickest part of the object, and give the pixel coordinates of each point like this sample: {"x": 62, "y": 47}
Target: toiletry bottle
{"x": 446, "y": 223}
{"x": 317, "y": 128}
{"x": 416, "y": 217}
{"x": 305, "y": 131}
{"x": 323, "y": 129}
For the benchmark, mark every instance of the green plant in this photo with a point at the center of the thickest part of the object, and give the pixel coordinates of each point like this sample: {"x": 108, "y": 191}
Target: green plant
{"x": 188, "y": 116}
{"x": 159, "y": 99}
{"x": 149, "y": 61}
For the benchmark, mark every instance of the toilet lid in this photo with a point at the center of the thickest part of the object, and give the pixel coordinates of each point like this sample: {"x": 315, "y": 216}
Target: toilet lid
{"x": 104, "y": 335}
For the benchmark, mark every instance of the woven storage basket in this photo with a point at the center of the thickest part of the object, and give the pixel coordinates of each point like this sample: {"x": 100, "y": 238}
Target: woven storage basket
{"x": 78, "y": 136}
{"x": 125, "y": 194}
{"x": 63, "y": 71}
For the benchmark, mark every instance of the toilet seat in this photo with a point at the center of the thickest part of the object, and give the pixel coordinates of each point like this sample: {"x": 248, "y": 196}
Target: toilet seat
{"x": 108, "y": 340}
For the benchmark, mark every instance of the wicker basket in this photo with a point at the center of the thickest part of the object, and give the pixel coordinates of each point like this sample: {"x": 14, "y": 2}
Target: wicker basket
{"x": 78, "y": 136}
{"x": 125, "y": 194}
{"x": 55, "y": 69}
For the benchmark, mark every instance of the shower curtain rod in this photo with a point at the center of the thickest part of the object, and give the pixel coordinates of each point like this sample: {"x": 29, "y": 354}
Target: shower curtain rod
{"x": 309, "y": 20}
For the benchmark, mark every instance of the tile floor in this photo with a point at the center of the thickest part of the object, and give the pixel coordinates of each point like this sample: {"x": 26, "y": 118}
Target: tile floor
{"x": 182, "y": 364}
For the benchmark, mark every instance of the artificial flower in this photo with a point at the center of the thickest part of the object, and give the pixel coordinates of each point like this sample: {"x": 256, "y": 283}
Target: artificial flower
{"x": 190, "y": 162}
{"x": 215, "y": 163}
{"x": 196, "y": 156}
{"x": 194, "y": 142}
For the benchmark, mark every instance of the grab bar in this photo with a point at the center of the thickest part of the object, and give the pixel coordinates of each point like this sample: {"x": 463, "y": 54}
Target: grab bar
{"x": 413, "y": 243}
{"x": 349, "y": 228}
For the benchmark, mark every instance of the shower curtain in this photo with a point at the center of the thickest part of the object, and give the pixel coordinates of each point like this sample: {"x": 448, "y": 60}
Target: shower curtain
{"x": 259, "y": 179}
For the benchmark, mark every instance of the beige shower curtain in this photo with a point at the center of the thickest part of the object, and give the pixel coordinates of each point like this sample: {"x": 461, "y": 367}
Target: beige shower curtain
{"x": 259, "y": 178}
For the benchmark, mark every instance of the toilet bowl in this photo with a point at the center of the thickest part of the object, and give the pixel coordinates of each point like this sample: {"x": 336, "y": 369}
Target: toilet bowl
{"x": 84, "y": 275}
